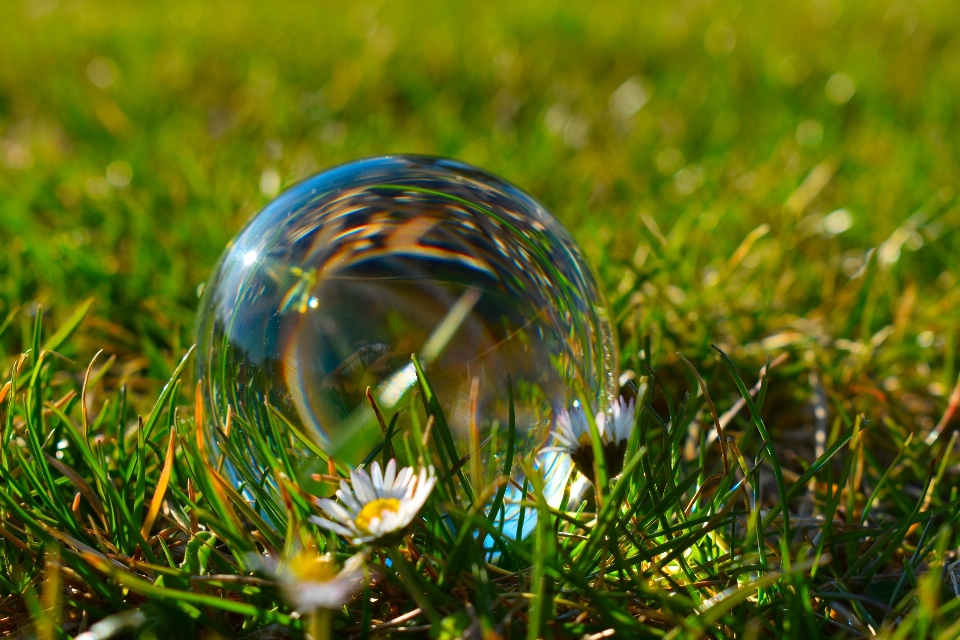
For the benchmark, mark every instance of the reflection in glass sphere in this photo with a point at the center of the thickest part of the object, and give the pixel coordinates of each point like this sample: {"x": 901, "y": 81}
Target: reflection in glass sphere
{"x": 331, "y": 288}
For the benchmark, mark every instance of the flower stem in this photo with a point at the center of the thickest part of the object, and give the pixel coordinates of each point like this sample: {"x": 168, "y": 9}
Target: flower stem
{"x": 318, "y": 624}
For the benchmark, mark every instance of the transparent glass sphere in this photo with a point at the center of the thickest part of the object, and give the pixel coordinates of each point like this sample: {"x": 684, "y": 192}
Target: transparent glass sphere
{"x": 333, "y": 286}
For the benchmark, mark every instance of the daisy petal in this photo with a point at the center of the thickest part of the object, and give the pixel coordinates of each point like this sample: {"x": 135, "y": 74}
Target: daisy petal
{"x": 347, "y": 498}
{"x": 390, "y": 474}
{"x": 335, "y": 510}
{"x": 552, "y": 450}
{"x": 307, "y": 596}
{"x": 362, "y": 487}
{"x": 377, "y": 476}
{"x": 602, "y": 428}
{"x": 332, "y": 526}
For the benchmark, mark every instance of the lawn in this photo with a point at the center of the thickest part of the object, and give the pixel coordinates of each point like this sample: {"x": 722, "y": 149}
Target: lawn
{"x": 775, "y": 179}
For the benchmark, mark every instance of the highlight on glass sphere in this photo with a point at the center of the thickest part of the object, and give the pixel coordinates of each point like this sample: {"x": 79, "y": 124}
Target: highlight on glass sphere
{"x": 337, "y": 283}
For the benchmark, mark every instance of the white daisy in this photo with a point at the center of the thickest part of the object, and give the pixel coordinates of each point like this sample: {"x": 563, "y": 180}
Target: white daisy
{"x": 573, "y": 430}
{"x": 312, "y": 581}
{"x": 622, "y": 427}
{"x": 380, "y": 506}
{"x": 573, "y": 436}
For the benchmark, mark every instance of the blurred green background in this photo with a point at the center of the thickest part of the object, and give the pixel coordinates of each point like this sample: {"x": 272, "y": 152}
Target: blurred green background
{"x": 727, "y": 166}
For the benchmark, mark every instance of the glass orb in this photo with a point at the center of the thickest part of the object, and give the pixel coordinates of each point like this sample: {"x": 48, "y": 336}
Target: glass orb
{"x": 331, "y": 288}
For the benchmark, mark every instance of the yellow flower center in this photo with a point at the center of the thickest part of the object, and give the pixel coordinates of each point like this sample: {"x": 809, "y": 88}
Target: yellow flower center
{"x": 375, "y": 509}
{"x": 311, "y": 567}
{"x": 584, "y": 440}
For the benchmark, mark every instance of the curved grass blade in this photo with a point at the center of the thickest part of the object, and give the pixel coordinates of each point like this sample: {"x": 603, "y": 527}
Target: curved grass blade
{"x": 165, "y": 394}
{"x": 767, "y": 442}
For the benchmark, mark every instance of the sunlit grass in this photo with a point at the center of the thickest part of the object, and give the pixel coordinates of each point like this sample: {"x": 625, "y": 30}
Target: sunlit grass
{"x": 777, "y": 180}
{"x": 674, "y": 546}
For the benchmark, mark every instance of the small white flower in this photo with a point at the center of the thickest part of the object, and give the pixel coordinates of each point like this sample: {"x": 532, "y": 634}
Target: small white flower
{"x": 574, "y": 430}
{"x": 573, "y": 436}
{"x": 380, "y": 506}
{"x": 311, "y": 583}
{"x": 622, "y": 427}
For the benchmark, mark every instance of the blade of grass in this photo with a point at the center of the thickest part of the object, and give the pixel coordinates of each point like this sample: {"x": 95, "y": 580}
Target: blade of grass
{"x": 883, "y": 479}
{"x": 713, "y": 410}
{"x": 442, "y": 429}
{"x": 542, "y": 609}
{"x": 165, "y": 393}
{"x": 68, "y": 326}
{"x": 508, "y": 456}
{"x": 901, "y": 531}
{"x": 767, "y": 442}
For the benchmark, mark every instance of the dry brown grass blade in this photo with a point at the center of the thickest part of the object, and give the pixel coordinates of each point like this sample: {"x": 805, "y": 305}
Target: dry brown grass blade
{"x": 16, "y": 541}
{"x": 83, "y": 394}
{"x": 81, "y": 485}
{"x": 715, "y": 478}
{"x": 475, "y": 470}
{"x": 376, "y": 411}
{"x": 202, "y": 455}
{"x": 75, "y": 544}
{"x": 161, "y": 490}
{"x": 741, "y": 252}
{"x": 228, "y": 422}
{"x": 198, "y": 419}
{"x": 947, "y": 415}
{"x": 814, "y": 183}
{"x": 192, "y": 496}
{"x": 50, "y": 597}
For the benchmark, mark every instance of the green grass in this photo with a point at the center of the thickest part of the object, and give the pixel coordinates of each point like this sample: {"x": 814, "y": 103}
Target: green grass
{"x": 136, "y": 140}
